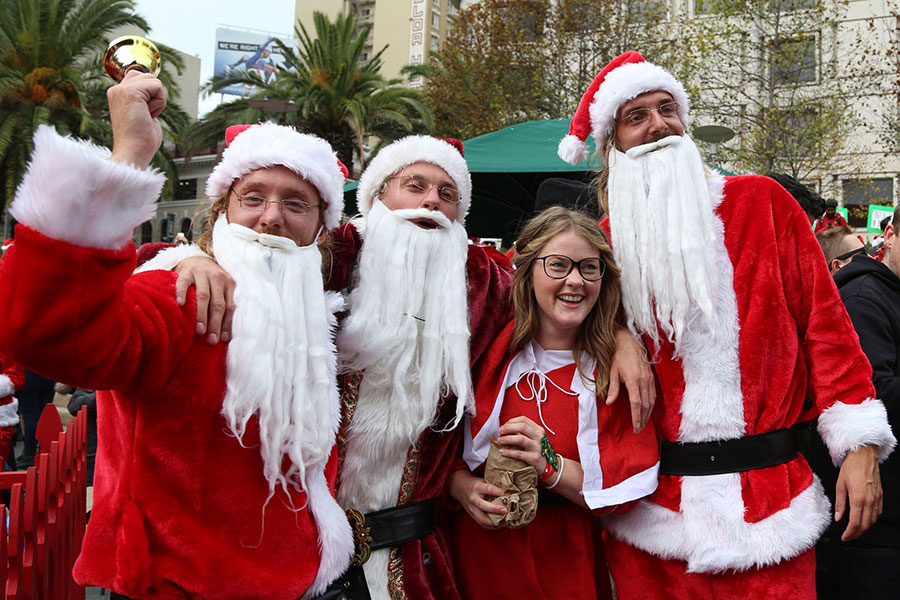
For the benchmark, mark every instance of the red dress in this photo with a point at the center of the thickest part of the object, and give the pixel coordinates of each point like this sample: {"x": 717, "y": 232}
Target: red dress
{"x": 559, "y": 554}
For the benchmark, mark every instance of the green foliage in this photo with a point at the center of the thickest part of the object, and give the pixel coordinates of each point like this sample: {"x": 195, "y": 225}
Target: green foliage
{"x": 50, "y": 73}
{"x": 787, "y": 75}
{"x": 508, "y": 61}
{"x": 339, "y": 98}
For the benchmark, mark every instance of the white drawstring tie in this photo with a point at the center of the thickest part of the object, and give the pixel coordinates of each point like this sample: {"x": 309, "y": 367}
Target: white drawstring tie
{"x": 538, "y": 394}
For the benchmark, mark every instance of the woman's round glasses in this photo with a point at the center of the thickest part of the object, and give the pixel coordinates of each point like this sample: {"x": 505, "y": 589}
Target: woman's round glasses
{"x": 558, "y": 266}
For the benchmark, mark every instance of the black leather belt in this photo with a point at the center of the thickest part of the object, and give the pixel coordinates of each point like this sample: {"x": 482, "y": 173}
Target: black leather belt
{"x": 728, "y": 456}
{"x": 393, "y": 526}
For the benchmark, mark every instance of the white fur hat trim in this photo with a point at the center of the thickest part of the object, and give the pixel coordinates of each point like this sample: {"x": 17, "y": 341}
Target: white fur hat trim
{"x": 409, "y": 150}
{"x": 268, "y": 144}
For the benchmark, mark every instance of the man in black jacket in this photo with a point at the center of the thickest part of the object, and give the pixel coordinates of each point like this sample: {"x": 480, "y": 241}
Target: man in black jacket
{"x": 868, "y": 566}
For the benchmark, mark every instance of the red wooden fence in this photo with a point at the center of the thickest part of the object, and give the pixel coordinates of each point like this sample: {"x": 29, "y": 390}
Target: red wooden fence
{"x": 46, "y": 514}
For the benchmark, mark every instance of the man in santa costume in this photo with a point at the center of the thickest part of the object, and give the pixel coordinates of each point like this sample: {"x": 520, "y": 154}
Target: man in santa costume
{"x": 418, "y": 289}
{"x": 724, "y": 279}
{"x": 216, "y": 463}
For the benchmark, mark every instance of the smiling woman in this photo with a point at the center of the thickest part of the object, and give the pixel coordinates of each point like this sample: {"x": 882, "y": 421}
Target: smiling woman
{"x": 537, "y": 389}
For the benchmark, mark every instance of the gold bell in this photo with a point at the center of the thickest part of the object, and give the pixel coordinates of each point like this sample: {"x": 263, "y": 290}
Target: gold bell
{"x": 131, "y": 52}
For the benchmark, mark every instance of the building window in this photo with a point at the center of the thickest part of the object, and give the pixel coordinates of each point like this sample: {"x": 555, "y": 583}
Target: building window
{"x": 793, "y": 60}
{"x": 704, "y": 7}
{"x": 146, "y": 232}
{"x": 860, "y": 193}
{"x": 167, "y": 228}
{"x": 186, "y": 189}
{"x": 186, "y": 229}
{"x": 435, "y": 43}
{"x": 436, "y": 20}
{"x": 530, "y": 19}
{"x": 646, "y": 11}
{"x": 791, "y": 5}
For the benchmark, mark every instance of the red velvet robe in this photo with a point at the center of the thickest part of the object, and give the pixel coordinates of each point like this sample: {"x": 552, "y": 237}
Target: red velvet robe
{"x": 422, "y": 569}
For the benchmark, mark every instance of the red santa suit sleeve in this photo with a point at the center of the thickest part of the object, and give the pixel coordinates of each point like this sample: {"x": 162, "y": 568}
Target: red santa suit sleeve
{"x": 181, "y": 508}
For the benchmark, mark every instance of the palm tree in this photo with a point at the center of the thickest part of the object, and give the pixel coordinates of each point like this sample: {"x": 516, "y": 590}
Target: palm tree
{"x": 340, "y": 98}
{"x": 50, "y": 73}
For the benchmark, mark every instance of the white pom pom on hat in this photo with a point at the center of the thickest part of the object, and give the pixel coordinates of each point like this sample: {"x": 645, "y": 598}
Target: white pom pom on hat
{"x": 251, "y": 147}
{"x": 624, "y": 78}
{"x": 446, "y": 154}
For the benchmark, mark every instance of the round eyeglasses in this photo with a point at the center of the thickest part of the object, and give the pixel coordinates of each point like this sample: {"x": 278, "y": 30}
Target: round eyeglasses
{"x": 418, "y": 185}
{"x": 639, "y": 116}
{"x": 296, "y": 207}
{"x": 558, "y": 266}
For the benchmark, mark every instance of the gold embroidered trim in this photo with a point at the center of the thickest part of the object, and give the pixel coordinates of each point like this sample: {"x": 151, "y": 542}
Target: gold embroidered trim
{"x": 349, "y": 389}
{"x": 396, "y": 589}
{"x": 395, "y": 575}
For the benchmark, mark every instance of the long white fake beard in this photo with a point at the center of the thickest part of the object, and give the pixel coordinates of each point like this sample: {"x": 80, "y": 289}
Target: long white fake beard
{"x": 664, "y": 227}
{"x": 408, "y": 324}
{"x": 281, "y": 360}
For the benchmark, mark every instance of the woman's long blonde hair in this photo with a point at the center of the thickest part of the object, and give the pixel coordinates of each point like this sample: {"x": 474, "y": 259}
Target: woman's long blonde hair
{"x": 597, "y": 335}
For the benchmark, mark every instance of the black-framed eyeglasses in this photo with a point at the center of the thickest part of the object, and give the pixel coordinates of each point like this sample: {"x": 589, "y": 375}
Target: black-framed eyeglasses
{"x": 846, "y": 255}
{"x": 639, "y": 116}
{"x": 296, "y": 207}
{"x": 558, "y": 266}
{"x": 417, "y": 184}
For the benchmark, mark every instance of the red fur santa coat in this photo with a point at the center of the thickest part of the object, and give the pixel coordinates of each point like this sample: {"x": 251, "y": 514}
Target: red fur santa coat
{"x": 787, "y": 336}
{"x": 178, "y": 501}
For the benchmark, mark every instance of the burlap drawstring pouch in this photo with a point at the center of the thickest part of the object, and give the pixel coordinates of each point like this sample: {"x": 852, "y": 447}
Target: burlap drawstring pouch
{"x": 518, "y": 480}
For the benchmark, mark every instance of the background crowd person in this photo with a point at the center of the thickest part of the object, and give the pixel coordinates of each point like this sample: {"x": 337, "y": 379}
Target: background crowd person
{"x": 811, "y": 203}
{"x": 216, "y": 463}
{"x": 37, "y": 393}
{"x": 866, "y": 567}
{"x": 539, "y": 388}
{"x": 743, "y": 320}
{"x": 86, "y": 399}
{"x": 831, "y": 218}
{"x": 839, "y": 245}
{"x": 12, "y": 380}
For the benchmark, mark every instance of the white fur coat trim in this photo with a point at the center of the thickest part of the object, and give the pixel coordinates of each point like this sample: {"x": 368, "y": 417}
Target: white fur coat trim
{"x": 710, "y": 533}
{"x": 336, "y": 545}
{"x": 9, "y": 413}
{"x": 6, "y": 386}
{"x": 168, "y": 259}
{"x": 712, "y": 406}
{"x": 846, "y": 427}
{"x": 72, "y": 192}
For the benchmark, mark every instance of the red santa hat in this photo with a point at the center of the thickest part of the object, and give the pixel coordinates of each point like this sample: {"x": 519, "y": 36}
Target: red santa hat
{"x": 624, "y": 78}
{"x": 446, "y": 154}
{"x": 252, "y": 147}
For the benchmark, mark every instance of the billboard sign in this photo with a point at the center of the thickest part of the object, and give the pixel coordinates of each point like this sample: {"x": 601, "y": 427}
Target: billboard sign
{"x": 248, "y": 51}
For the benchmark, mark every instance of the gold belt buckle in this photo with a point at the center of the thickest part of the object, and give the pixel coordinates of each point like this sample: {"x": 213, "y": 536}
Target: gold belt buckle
{"x": 361, "y": 537}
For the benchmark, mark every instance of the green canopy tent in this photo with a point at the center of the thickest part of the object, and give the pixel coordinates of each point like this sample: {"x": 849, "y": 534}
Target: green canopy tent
{"x": 507, "y": 167}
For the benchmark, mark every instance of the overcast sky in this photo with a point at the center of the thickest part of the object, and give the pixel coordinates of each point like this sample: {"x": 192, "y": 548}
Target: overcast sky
{"x": 190, "y": 26}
